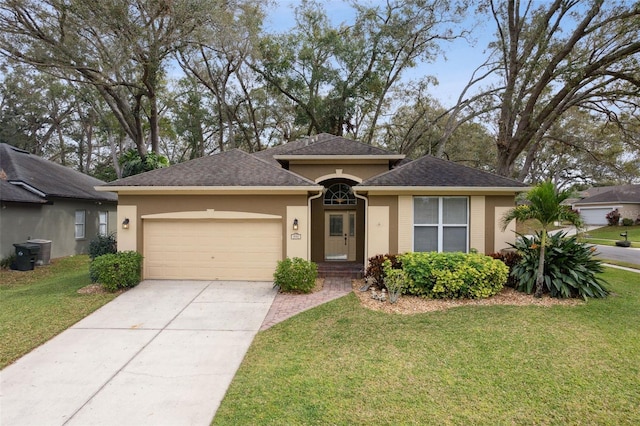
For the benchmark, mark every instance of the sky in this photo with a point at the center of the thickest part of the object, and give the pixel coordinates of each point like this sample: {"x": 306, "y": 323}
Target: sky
{"x": 452, "y": 72}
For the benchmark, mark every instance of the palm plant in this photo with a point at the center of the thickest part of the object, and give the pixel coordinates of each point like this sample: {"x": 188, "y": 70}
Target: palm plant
{"x": 544, "y": 205}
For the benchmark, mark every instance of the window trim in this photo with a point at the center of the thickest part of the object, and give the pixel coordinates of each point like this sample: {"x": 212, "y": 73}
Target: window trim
{"x": 83, "y": 224}
{"x": 440, "y": 226}
{"x": 106, "y": 223}
{"x": 336, "y": 188}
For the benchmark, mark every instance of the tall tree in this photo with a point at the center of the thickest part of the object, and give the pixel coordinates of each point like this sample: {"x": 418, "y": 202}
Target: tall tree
{"x": 218, "y": 60}
{"x": 119, "y": 47}
{"x": 558, "y": 55}
{"x": 340, "y": 77}
{"x": 544, "y": 205}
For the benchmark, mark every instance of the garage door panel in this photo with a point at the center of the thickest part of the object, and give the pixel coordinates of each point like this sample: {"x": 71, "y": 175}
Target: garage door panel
{"x": 226, "y": 250}
{"x": 595, "y": 216}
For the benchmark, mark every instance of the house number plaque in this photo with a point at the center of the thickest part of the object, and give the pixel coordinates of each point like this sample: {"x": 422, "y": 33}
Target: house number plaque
{"x": 296, "y": 236}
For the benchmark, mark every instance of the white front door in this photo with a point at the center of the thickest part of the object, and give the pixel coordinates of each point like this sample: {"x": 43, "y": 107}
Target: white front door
{"x": 340, "y": 235}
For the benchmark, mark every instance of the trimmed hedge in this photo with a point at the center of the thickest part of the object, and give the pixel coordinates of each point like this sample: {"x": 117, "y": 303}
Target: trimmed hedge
{"x": 295, "y": 275}
{"x": 453, "y": 275}
{"x": 116, "y": 271}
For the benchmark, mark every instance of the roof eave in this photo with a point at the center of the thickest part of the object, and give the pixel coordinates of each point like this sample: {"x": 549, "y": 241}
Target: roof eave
{"x": 209, "y": 190}
{"x": 384, "y": 157}
{"x": 373, "y": 190}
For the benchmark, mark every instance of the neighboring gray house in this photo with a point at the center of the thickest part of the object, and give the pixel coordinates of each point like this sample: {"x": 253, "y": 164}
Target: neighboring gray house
{"x": 40, "y": 199}
{"x": 600, "y": 201}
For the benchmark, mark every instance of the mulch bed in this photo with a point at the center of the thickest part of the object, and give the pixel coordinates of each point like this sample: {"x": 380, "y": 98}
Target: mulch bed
{"x": 414, "y": 305}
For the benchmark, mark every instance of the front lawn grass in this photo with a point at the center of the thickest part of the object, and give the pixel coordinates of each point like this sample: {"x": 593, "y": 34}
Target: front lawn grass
{"x": 608, "y": 235}
{"x": 343, "y": 364}
{"x": 37, "y": 305}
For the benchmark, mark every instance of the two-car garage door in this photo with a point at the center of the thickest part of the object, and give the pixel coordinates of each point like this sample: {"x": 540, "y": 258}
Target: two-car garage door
{"x": 595, "y": 216}
{"x": 212, "y": 249}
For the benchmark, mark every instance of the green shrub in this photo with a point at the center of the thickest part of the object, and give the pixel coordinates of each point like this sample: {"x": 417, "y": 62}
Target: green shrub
{"x": 627, "y": 222}
{"x": 509, "y": 258}
{"x": 117, "y": 270}
{"x": 6, "y": 262}
{"x": 376, "y": 271}
{"x": 453, "y": 275}
{"x": 101, "y": 245}
{"x": 570, "y": 269}
{"x": 395, "y": 280}
{"x": 295, "y": 275}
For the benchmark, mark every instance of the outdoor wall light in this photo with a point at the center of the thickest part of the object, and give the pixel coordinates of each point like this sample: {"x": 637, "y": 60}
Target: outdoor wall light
{"x": 125, "y": 223}
{"x": 295, "y": 224}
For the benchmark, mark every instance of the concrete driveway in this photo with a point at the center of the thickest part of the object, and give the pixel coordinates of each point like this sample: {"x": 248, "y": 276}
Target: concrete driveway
{"x": 162, "y": 353}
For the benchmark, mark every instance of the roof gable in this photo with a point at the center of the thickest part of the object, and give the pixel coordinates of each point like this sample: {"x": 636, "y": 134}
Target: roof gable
{"x": 44, "y": 179}
{"x": 230, "y": 168}
{"x": 429, "y": 171}
{"x": 325, "y": 145}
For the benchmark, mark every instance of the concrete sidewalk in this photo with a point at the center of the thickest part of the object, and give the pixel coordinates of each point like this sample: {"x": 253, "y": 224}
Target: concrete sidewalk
{"x": 163, "y": 353}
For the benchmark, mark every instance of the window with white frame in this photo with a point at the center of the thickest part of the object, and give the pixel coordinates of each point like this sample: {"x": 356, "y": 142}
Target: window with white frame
{"x": 103, "y": 223}
{"x": 339, "y": 194}
{"x": 80, "y": 223}
{"x": 440, "y": 224}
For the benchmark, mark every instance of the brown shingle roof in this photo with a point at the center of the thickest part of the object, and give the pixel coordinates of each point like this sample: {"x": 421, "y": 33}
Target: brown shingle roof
{"x": 24, "y": 170}
{"x": 230, "y": 168}
{"x": 432, "y": 171}
{"x": 326, "y": 144}
{"x": 323, "y": 144}
{"x": 283, "y": 149}
{"x": 617, "y": 194}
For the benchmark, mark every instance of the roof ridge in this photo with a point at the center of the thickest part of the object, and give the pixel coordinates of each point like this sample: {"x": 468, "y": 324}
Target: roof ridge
{"x": 331, "y": 138}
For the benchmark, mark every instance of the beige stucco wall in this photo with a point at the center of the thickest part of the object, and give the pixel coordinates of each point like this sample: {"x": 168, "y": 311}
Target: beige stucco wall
{"x": 477, "y": 223}
{"x": 484, "y": 215}
{"x": 54, "y": 222}
{"x": 127, "y": 238}
{"x": 405, "y": 224}
{"x": 316, "y": 171}
{"x": 264, "y": 204}
{"x": 377, "y": 230}
{"x": 297, "y": 241}
{"x": 495, "y": 207}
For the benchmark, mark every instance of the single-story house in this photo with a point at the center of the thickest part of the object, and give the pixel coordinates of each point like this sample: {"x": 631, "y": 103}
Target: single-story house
{"x": 598, "y": 203}
{"x": 234, "y": 215}
{"x": 42, "y": 200}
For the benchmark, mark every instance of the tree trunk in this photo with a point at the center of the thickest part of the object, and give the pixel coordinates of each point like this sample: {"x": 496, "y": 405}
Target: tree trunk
{"x": 540, "y": 276}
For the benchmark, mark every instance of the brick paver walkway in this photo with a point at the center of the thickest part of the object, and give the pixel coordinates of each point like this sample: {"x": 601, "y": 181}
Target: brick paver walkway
{"x": 287, "y": 305}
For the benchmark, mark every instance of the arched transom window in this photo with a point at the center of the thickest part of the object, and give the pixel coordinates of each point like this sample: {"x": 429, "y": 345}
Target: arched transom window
{"x": 339, "y": 194}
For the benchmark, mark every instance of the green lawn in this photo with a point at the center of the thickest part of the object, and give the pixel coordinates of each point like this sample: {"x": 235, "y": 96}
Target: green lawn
{"x": 608, "y": 235}
{"x": 343, "y": 364}
{"x": 36, "y": 305}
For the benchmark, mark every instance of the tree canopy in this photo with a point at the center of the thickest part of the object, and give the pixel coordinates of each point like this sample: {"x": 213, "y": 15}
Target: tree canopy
{"x": 556, "y": 99}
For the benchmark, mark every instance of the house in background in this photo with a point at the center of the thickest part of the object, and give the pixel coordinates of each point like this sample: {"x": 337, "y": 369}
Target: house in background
{"x": 234, "y": 215}
{"x": 598, "y": 202}
{"x": 43, "y": 200}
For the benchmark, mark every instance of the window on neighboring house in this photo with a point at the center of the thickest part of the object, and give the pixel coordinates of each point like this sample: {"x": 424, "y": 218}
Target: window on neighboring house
{"x": 80, "y": 223}
{"x": 103, "y": 224}
{"x": 440, "y": 223}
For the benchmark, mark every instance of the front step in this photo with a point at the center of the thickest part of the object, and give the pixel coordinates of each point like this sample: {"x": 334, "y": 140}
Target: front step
{"x": 351, "y": 270}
